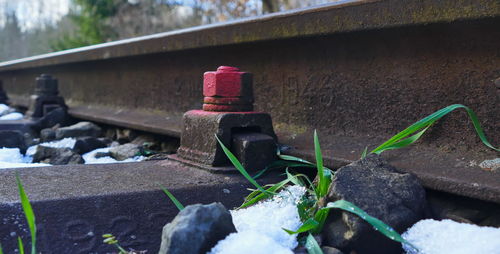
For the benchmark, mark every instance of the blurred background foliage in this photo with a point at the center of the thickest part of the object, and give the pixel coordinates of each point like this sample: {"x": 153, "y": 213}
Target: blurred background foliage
{"x": 32, "y": 27}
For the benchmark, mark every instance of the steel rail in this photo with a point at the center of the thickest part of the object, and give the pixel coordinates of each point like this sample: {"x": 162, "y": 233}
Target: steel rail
{"x": 357, "y": 71}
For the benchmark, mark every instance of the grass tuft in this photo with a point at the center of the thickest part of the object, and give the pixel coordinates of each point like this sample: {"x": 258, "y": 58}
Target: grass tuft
{"x": 311, "y": 208}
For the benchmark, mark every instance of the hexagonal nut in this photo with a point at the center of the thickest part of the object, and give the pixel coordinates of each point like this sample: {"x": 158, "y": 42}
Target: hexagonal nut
{"x": 46, "y": 84}
{"x": 227, "y": 82}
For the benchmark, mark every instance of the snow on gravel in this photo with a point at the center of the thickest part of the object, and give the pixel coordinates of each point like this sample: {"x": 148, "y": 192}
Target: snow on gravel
{"x": 65, "y": 142}
{"x": 5, "y": 115}
{"x": 12, "y": 116}
{"x": 12, "y": 158}
{"x": 4, "y": 109}
{"x": 91, "y": 159}
{"x": 447, "y": 236}
{"x": 260, "y": 227}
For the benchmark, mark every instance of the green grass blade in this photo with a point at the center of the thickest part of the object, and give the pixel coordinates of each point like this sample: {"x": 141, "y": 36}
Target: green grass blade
{"x": 477, "y": 127}
{"x": 405, "y": 142}
{"x": 173, "y": 199}
{"x": 312, "y": 245}
{"x": 320, "y": 216}
{"x": 240, "y": 167}
{"x": 429, "y": 120}
{"x": 308, "y": 184}
{"x": 305, "y": 208}
{"x": 20, "y": 245}
{"x": 253, "y": 194}
{"x": 376, "y": 223}
{"x": 268, "y": 167}
{"x": 264, "y": 195}
{"x": 319, "y": 157}
{"x": 1, "y": 250}
{"x": 309, "y": 224}
{"x": 324, "y": 177}
{"x": 296, "y": 159}
{"x": 281, "y": 164}
{"x": 365, "y": 152}
{"x": 299, "y": 160}
{"x": 422, "y": 123}
{"x": 295, "y": 179}
{"x": 28, "y": 212}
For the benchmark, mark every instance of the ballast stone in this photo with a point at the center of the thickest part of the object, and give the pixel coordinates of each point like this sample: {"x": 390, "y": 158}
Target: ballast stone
{"x": 87, "y": 144}
{"x": 196, "y": 229}
{"x": 81, "y": 129}
{"x": 123, "y": 152}
{"x": 56, "y": 156}
{"x": 396, "y": 198}
{"x": 47, "y": 135}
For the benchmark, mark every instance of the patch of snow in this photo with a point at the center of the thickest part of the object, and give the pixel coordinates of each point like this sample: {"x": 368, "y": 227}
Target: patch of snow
{"x": 4, "y": 109}
{"x": 12, "y": 158}
{"x": 90, "y": 158}
{"x": 65, "y": 142}
{"x": 11, "y": 155}
{"x": 21, "y": 165}
{"x": 249, "y": 242}
{"x": 447, "y": 236}
{"x": 260, "y": 227}
{"x": 12, "y": 116}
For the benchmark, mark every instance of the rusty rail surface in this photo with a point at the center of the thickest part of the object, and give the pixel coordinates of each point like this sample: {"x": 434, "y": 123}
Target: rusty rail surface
{"x": 357, "y": 71}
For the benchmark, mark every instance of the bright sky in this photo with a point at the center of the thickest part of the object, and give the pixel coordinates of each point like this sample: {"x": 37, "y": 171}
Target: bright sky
{"x": 34, "y": 13}
{"x": 37, "y": 13}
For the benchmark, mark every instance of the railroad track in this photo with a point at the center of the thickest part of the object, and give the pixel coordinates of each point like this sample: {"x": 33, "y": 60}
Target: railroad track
{"x": 357, "y": 71}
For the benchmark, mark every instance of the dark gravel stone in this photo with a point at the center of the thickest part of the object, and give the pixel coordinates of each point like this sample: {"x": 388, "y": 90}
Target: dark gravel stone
{"x": 106, "y": 141}
{"x": 32, "y": 141}
{"x": 87, "y": 144}
{"x": 123, "y": 152}
{"x": 196, "y": 229}
{"x": 81, "y": 129}
{"x": 169, "y": 146}
{"x": 56, "y": 156}
{"x": 47, "y": 134}
{"x": 125, "y": 135}
{"x": 13, "y": 139}
{"x": 101, "y": 154}
{"x": 396, "y": 198}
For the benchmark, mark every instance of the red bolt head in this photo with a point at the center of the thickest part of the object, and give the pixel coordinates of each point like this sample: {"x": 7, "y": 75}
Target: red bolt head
{"x": 227, "y": 82}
